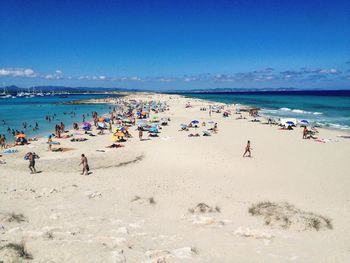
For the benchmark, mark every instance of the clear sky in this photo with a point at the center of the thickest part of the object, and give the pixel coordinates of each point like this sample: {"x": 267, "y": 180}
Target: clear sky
{"x": 176, "y": 44}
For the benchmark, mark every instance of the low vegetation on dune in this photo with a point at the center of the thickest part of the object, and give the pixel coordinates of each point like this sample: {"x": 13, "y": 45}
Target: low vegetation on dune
{"x": 19, "y": 249}
{"x": 14, "y": 217}
{"x": 150, "y": 200}
{"x": 286, "y": 216}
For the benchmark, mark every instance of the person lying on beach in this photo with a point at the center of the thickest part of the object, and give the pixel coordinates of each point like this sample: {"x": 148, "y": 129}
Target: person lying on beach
{"x": 194, "y": 135}
{"x": 247, "y": 150}
{"x": 206, "y": 133}
{"x": 89, "y": 133}
{"x": 85, "y": 164}
{"x": 78, "y": 140}
{"x": 184, "y": 128}
{"x": 284, "y": 128}
{"x": 57, "y": 150}
{"x": 241, "y": 117}
{"x": 114, "y": 145}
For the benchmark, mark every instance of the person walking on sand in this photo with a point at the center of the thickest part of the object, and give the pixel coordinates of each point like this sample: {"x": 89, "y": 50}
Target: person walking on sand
{"x": 85, "y": 164}
{"x": 31, "y": 158}
{"x": 247, "y": 150}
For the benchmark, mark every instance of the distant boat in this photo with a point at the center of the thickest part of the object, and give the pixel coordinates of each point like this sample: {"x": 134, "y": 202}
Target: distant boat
{"x": 5, "y": 94}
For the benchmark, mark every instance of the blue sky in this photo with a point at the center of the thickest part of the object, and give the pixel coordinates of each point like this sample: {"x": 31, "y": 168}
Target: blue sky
{"x": 176, "y": 44}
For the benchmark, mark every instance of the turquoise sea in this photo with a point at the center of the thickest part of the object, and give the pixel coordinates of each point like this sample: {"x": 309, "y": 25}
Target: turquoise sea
{"x": 15, "y": 111}
{"x": 324, "y": 108}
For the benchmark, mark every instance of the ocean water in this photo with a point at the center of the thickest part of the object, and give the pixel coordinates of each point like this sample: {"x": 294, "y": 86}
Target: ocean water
{"x": 324, "y": 108}
{"x": 15, "y": 111}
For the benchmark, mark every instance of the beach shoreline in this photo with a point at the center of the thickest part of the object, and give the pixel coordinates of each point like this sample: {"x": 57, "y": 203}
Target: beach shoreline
{"x": 345, "y": 131}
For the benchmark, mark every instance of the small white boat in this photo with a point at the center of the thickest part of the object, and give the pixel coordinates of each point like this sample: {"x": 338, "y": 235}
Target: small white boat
{"x": 6, "y": 96}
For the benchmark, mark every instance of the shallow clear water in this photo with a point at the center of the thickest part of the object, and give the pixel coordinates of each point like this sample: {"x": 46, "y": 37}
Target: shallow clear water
{"x": 329, "y": 109}
{"x": 15, "y": 111}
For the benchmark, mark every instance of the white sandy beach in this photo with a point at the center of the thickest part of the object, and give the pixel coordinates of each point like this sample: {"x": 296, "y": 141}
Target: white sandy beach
{"x": 107, "y": 216}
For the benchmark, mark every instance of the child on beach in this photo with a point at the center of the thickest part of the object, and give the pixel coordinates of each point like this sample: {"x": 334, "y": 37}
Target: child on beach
{"x": 247, "y": 150}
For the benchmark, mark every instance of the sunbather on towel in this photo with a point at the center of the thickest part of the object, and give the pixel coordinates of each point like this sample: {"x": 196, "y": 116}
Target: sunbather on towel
{"x": 114, "y": 145}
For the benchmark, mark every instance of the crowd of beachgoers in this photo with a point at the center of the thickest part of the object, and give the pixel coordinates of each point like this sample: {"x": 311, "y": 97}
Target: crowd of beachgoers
{"x": 141, "y": 116}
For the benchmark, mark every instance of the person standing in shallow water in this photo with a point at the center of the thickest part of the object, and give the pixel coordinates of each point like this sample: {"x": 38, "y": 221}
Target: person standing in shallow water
{"x": 85, "y": 164}
{"x": 247, "y": 150}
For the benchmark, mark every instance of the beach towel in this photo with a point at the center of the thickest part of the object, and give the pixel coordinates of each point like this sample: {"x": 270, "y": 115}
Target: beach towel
{"x": 54, "y": 143}
{"x": 9, "y": 151}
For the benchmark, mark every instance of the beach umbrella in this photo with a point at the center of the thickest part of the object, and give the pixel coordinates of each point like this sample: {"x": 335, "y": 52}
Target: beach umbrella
{"x": 195, "y": 121}
{"x": 119, "y": 134}
{"x": 290, "y": 123}
{"x": 107, "y": 119}
{"x": 86, "y": 124}
{"x": 101, "y": 119}
{"x": 304, "y": 121}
